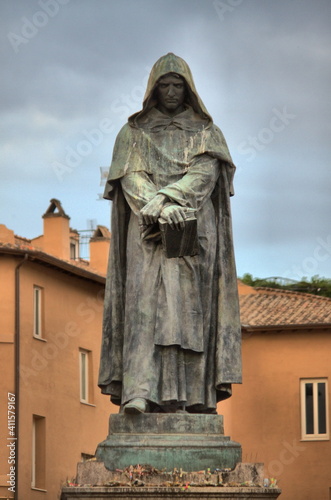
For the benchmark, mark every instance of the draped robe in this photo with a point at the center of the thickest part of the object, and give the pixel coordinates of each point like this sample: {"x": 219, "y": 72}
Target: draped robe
{"x": 171, "y": 332}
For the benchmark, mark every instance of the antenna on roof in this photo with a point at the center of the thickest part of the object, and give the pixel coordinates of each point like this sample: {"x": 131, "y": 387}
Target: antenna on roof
{"x": 91, "y": 224}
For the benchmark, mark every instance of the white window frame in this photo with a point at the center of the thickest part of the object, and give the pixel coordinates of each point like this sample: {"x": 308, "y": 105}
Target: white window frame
{"x": 316, "y": 435}
{"x": 84, "y": 375}
{"x": 38, "y": 293}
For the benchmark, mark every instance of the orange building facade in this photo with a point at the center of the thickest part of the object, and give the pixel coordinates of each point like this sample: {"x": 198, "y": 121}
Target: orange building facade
{"x": 53, "y": 415}
{"x": 281, "y": 412}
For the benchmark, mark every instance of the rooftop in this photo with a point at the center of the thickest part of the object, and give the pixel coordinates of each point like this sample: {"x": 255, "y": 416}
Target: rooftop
{"x": 59, "y": 246}
{"x": 79, "y": 268}
{"x": 274, "y": 307}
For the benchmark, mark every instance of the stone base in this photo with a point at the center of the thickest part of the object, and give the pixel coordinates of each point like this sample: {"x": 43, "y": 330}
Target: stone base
{"x": 196, "y": 493}
{"x": 168, "y": 447}
{"x": 95, "y": 473}
{"x": 95, "y": 482}
{"x": 167, "y": 441}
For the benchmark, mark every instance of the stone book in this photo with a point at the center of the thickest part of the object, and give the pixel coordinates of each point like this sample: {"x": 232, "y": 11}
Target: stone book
{"x": 180, "y": 242}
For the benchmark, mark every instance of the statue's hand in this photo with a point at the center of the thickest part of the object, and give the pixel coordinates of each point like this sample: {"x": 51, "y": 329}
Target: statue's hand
{"x": 151, "y": 211}
{"x": 174, "y": 215}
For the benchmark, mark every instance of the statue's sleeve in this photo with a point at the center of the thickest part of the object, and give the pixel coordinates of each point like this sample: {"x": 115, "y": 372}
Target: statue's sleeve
{"x": 127, "y": 159}
{"x": 196, "y": 185}
{"x": 138, "y": 190}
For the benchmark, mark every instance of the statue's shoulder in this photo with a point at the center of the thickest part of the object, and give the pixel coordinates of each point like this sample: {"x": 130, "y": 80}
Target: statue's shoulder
{"x": 124, "y": 131}
{"x": 216, "y": 131}
{"x": 124, "y": 138}
{"x": 128, "y": 133}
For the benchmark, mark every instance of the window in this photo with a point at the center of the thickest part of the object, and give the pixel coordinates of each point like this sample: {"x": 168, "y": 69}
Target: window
{"x": 85, "y": 368}
{"x": 74, "y": 249}
{"x": 37, "y": 311}
{"x": 314, "y": 409}
{"x": 38, "y": 479}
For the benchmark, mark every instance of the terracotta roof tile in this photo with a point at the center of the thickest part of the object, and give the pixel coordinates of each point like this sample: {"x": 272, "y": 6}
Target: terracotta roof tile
{"x": 273, "y": 307}
{"x": 22, "y": 239}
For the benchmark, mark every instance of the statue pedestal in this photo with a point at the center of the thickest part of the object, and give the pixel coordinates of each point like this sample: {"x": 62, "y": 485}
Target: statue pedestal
{"x": 193, "y": 493}
{"x": 180, "y": 456}
{"x": 167, "y": 441}
{"x": 95, "y": 482}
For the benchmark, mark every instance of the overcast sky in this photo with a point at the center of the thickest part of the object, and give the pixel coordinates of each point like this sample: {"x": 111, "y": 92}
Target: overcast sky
{"x": 72, "y": 71}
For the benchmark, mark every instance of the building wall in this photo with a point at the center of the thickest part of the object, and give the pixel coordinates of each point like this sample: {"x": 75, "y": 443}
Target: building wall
{"x": 50, "y": 374}
{"x": 264, "y": 414}
{"x": 7, "y": 382}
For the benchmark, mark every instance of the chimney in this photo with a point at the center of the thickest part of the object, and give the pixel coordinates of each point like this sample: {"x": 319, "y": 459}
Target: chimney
{"x": 6, "y": 235}
{"x": 56, "y": 238}
{"x": 99, "y": 249}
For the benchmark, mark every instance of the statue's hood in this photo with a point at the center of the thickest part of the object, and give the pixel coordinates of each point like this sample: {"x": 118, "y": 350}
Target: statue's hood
{"x": 170, "y": 63}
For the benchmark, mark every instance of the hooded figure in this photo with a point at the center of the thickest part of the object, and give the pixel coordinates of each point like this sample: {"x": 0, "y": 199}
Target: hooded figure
{"x": 171, "y": 331}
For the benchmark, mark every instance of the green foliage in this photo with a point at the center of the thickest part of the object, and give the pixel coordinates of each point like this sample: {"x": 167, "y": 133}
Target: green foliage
{"x": 316, "y": 285}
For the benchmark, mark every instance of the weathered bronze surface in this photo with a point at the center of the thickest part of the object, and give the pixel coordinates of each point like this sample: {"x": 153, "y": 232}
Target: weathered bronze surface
{"x": 171, "y": 334}
{"x": 168, "y": 441}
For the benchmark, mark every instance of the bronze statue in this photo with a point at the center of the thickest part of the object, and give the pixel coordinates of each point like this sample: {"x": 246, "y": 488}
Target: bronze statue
{"x": 171, "y": 333}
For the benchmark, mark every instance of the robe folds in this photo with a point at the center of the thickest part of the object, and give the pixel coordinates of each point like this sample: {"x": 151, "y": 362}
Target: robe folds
{"x": 171, "y": 329}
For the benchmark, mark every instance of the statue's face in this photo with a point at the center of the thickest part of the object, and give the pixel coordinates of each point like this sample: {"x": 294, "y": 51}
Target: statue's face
{"x": 171, "y": 92}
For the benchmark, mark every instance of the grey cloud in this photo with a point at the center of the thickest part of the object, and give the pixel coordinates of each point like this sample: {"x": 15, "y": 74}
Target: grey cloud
{"x": 90, "y": 62}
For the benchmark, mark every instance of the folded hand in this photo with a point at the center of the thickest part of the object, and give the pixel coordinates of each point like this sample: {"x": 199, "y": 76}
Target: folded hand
{"x": 174, "y": 215}
{"x": 151, "y": 211}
